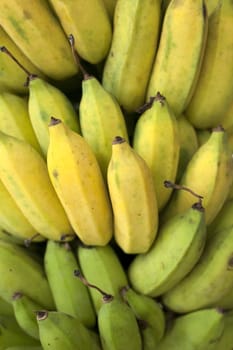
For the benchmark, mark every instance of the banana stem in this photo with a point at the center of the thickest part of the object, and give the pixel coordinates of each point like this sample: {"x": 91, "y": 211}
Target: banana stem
{"x": 77, "y": 59}
{"x": 158, "y": 97}
{"x": 169, "y": 184}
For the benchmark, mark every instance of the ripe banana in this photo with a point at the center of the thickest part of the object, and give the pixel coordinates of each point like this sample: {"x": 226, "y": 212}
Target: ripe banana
{"x": 149, "y": 314}
{"x": 177, "y": 64}
{"x": 70, "y": 160}
{"x": 102, "y": 267}
{"x": 134, "y": 42}
{"x": 24, "y": 173}
{"x": 24, "y": 311}
{"x": 156, "y": 140}
{"x": 90, "y": 25}
{"x": 215, "y": 158}
{"x": 210, "y": 279}
{"x": 211, "y": 100}
{"x": 70, "y": 295}
{"x": 226, "y": 340}
{"x": 133, "y": 198}
{"x": 59, "y": 331}
{"x": 174, "y": 253}
{"x": 35, "y": 29}
{"x": 196, "y": 330}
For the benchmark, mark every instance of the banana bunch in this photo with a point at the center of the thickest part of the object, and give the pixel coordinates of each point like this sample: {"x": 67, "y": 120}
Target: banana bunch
{"x": 116, "y": 175}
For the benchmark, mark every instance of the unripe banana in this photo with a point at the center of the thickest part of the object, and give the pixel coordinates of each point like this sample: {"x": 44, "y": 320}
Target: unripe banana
{"x": 102, "y": 267}
{"x": 210, "y": 279}
{"x": 6, "y": 308}
{"x": 37, "y": 32}
{"x": 196, "y": 330}
{"x": 59, "y": 331}
{"x": 70, "y": 295}
{"x": 213, "y": 156}
{"x": 223, "y": 220}
{"x": 226, "y": 340}
{"x": 135, "y": 37}
{"x": 24, "y": 173}
{"x": 178, "y": 60}
{"x": 25, "y": 313}
{"x": 17, "y": 269}
{"x": 150, "y": 317}
{"x": 156, "y": 140}
{"x": 226, "y": 301}
{"x": 89, "y": 23}
{"x": 24, "y": 347}
{"x": 211, "y": 100}
{"x": 133, "y": 198}
{"x": 9, "y": 238}
{"x": 174, "y": 253}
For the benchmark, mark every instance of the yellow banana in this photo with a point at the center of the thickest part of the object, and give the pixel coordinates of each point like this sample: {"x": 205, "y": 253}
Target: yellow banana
{"x": 24, "y": 173}
{"x": 128, "y": 65}
{"x": 71, "y": 161}
{"x": 214, "y": 158}
{"x": 156, "y": 140}
{"x": 214, "y": 89}
{"x": 34, "y": 28}
{"x": 89, "y": 23}
{"x": 133, "y": 198}
{"x": 177, "y": 63}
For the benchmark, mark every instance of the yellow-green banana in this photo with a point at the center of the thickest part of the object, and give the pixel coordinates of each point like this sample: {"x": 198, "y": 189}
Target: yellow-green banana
{"x": 22, "y": 347}
{"x": 210, "y": 279}
{"x": 196, "y": 330}
{"x": 6, "y": 308}
{"x": 59, "y": 331}
{"x": 211, "y": 6}
{"x": 22, "y": 273}
{"x": 214, "y": 89}
{"x": 223, "y": 220}
{"x": 79, "y": 184}
{"x": 35, "y": 29}
{"x": 89, "y": 23}
{"x": 133, "y": 198}
{"x": 24, "y": 173}
{"x": 8, "y": 237}
{"x": 226, "y": 340}
{"x": 202, "y": 135}
{"x": 128, "y": 65}
{"x": 227, "y": 119}
{"x": 25, "y": 313}
{"x": 70, "y": 295}
{"x": 226, "y": 301}
{"x": 178, "y": 60}
{"x": 214, "y": 158}
{"x": 101, "y": 266}
{"x": 156, "y": 140}
{"x": 110, "y": 7}
{"x": 149, "y": 314}
{"x": 176, "y": 250}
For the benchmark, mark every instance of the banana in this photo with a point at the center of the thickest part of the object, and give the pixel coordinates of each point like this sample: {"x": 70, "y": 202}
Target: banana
{"x": 226, "y": 301}
{"x": 210, "y": 101}
{"x": 9, "y": 238}
{"x": 6, "y": 308}
{"x": 130, "y": 58}
{"x": 102, "y": 267}
{"x": 59, "y": 331}
{"x": 12, "y": 335}
{"x": 213, "y": 156}
{"x": 223, "y": 220}
{"x": 24, "y": 173}
{"x": 70, "y": 295}
{"x": 178, "y": 60}
{"x": 110, "y": 7}
{"x": 211, "y": 6}
{"x": 156, "y": 140}
{"x": 31, "y": 26}
{"x": 203, "y": 135}
{"x": 227, "y": 119}
{"x": 133, "y": 198}
{"x": 176, "y": 250}
{"x": 196, "y": 330}
{"x": 89, "y": 23}
{"x": 17, "y": 269}
{"x": 226, "y": 339}
{"x": 150, "y": 317}
{"x": 210, "y": 279}
{"x": 24, "y": 347}
{"x": 24, "y": 311}
{"x": 71, "y": 161}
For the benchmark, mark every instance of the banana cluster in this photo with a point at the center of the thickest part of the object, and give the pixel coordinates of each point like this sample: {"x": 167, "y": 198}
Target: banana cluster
{"x": 116, "y": 175}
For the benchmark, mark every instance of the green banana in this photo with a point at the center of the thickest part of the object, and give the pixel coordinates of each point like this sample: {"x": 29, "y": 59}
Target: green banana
{"x": 6, "y": 308}
{"x": 24, "y": 348}
{"x": 223, "y": 220}
{"x": 226, "y": 339}
{"x": 24, "y": 173}
{"x": 70, "y": 295}
{"x": 226, "y": 301}
{"x": 25, "y": 313}
{"x": 102, "y": 267}
{"x": 176, "y": 250}
{"x": 70, "y": 160}
{"x": 20, "y": 272}
{"x": 209, "y": 280}
{"x": 9, "y": 238}
{"x": 149, "y": 314}
{"x": 130, "y": 58}
{"x": 156, "y": 140}
{"x": 199, "y": 330}
{"x": 59, "y": 331}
